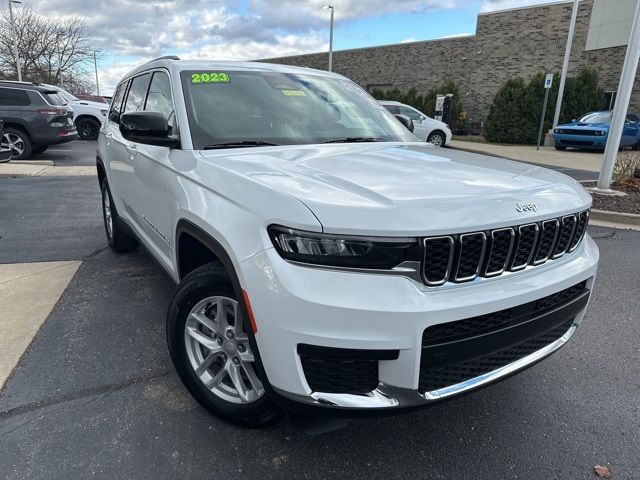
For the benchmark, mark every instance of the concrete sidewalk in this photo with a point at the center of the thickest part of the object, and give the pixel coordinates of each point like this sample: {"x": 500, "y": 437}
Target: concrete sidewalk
{"x": 36, "y": 168}
{"x": 578, "y": 160}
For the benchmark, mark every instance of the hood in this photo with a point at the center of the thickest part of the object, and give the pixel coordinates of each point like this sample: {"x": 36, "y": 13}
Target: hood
{"x": 405, "y": 188}
{"x": 580, "y": 125}
{"x": 89, "y": 103}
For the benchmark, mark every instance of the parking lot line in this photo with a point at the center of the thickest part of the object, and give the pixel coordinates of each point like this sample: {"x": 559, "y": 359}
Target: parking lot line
{"x": 28, "y": 292}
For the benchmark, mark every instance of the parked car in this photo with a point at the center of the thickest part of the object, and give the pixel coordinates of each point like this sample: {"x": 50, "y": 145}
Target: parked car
{"x": 425, "y": 127}
{"x": 5, "y": 152}
{"x": 35, "y": 117}
{"x": 592, "y": 130}
{"x": 326, "y": 261}
{"x": 87, "y": 116}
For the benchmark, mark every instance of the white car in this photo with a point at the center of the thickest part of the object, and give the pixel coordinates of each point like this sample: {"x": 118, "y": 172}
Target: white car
{"x": 424, "y": 127}
{"x": 325, "y": 259}
{"x": 87, "y": 116}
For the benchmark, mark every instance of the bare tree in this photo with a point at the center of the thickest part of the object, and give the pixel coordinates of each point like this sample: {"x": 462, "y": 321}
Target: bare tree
{"x": 55, "y": 50}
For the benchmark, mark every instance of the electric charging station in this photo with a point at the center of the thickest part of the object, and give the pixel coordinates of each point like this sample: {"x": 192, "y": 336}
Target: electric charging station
{"x": 443, "y": 107}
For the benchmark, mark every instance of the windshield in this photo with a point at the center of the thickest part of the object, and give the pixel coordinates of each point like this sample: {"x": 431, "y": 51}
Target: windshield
{"x": 596, "y": 117}
{"x": 258, "y": 108}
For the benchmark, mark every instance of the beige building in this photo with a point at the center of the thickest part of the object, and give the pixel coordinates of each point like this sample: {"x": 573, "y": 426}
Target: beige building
{"x": 509, "y": 43}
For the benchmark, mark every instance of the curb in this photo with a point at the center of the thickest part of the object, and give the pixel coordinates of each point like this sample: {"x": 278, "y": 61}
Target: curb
{"x": 628, "y": 220}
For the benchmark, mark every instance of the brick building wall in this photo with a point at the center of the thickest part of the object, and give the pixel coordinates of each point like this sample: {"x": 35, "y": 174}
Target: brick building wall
{"x": 507, "y": 44}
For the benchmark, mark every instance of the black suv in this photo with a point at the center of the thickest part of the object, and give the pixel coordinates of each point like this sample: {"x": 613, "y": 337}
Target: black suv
{"x": 34, "y": 118}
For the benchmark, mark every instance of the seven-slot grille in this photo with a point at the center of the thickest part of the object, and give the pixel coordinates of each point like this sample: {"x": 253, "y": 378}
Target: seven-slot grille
{"x": 463, "y": 257}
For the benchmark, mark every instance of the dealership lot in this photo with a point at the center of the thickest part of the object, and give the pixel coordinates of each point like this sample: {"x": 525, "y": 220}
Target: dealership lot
{"x": 96, "y": 394}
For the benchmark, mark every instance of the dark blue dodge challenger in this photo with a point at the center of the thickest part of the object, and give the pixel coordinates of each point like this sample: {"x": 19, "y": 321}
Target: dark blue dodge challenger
{"x": 592, "y": 130}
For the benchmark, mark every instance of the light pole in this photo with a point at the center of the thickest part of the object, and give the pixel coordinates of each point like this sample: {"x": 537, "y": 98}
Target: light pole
{"x": 622, "y": 105}
{"x": 565, "y": 64}
{"x": 95, "y": 66}
{"x": 329, "y": 7}
{"x": 15, "y": 39}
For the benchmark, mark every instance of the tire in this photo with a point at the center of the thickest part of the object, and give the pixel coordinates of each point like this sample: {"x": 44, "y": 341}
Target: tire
{"x": 560, "y": 148}
{"x": 19, "y": 142}
{"x": 88, "y": 128}
{"x": 37, "y": 150}
{"x": 437, "y": 138}
{"x": 227, "y": 360}
{"x": 118, "y": 239}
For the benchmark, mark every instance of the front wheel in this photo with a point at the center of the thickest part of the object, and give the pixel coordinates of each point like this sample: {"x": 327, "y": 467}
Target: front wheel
{"x": 560, "y": 148}
{"x": 88, "y": 128}
{"x": 437, "y": 138}
{"x": 209, "y": 344}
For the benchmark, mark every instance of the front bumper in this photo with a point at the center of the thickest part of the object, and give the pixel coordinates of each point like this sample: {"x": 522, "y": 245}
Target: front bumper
{"x": 296, "y": 305}
{"x": 580, "y": 141}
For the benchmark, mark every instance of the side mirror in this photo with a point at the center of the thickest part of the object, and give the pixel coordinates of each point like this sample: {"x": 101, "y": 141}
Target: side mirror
{"x": 406, "y": 121}
{"x": 574, "y": 121}
{"x": 150, "y": 128}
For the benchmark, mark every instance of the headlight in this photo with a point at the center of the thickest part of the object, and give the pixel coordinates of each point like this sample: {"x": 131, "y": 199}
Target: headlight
{"x": 557, "y": 130}
{"x": 342, "y": 250}
{"x": 103, "y": 112}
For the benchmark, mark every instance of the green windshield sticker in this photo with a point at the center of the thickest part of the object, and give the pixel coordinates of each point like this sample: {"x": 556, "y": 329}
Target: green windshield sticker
{"x": 212, "y": 77}
{"x": 294, "y": 93}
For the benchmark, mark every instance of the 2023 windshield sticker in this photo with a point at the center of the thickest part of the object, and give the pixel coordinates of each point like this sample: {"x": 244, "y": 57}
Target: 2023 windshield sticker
{"x": 209, "y": 77}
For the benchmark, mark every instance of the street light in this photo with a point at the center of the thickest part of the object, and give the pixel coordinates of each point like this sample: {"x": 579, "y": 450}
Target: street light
{"x": 15, "y": 39}
{"x": 329, "y": 7}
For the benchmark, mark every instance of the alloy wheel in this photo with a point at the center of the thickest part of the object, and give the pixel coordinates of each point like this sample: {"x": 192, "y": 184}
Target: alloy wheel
{"x": 14, "y": 142}
{"x": 436, "y": 139}
{"x": 219, "y": 351}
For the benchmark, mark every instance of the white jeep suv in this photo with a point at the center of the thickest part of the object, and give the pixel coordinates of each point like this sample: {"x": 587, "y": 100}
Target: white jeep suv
{"x": 87, "y": 116}
{"x": 326, "y": 260}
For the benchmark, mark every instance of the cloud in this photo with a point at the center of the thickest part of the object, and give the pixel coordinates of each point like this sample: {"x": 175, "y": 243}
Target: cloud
{"x": 134, "y": 31}
{"x": 494, "y": 5}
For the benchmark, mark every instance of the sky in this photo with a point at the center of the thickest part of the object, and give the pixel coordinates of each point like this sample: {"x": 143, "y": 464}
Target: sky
{"x": 131, "y": 32}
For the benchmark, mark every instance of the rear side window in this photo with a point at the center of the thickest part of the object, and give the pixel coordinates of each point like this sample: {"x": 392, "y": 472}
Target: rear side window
{"x": 116, "y": 104}
{"x": 13, "y": 97}
{"x": 137, "y": 91}
{"x": 54, "y": 99}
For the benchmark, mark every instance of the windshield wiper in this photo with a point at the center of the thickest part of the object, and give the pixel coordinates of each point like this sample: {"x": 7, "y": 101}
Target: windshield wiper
{"x": 357, "y": 139}
{"x": 240, "y": 144}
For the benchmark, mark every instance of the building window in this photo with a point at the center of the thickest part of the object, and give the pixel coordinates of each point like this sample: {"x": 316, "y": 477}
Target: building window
{"x": 611, "y": 99}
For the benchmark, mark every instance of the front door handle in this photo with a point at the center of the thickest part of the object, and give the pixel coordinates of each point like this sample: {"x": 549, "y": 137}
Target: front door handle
{"x": 132, "y": 150}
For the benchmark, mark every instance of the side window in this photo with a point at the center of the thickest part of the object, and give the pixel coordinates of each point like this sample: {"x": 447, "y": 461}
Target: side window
{"x": 159, "y": 97}
{"x": 137, "y": 91}
{"x": 13, "y": 97}
{"x": 116, "y": 102}
{"x": 392, "y": 108}
{"x": 412, "y": 114}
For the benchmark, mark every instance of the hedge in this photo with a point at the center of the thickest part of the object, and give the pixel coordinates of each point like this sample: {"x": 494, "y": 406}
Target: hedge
{"x": 514, "y": 115}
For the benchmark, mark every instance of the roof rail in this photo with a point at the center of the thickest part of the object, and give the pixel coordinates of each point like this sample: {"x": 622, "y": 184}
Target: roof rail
{"x": 166, "y": 57}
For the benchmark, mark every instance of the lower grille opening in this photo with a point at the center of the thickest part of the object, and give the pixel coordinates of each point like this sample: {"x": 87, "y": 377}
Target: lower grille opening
{"x": 440, "y": 377}
{"x": 341, "y": 370}
{"x": 458, "y": 351}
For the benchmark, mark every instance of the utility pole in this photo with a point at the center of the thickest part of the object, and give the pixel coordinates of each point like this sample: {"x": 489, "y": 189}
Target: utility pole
{"x": 95, "y": 66}
{"x": 625, "y": 88}
{"x": 329, "y": 7}
{"x": 565, "y": 64}
{"x": 15, "y": 39}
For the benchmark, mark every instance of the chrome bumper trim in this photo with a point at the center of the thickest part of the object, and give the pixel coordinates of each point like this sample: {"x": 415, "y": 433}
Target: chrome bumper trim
{"x": 387, "y": 396}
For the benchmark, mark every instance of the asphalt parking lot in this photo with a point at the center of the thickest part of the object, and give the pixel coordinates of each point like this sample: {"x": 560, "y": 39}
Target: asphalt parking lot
{"x": 96, "y": 396}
